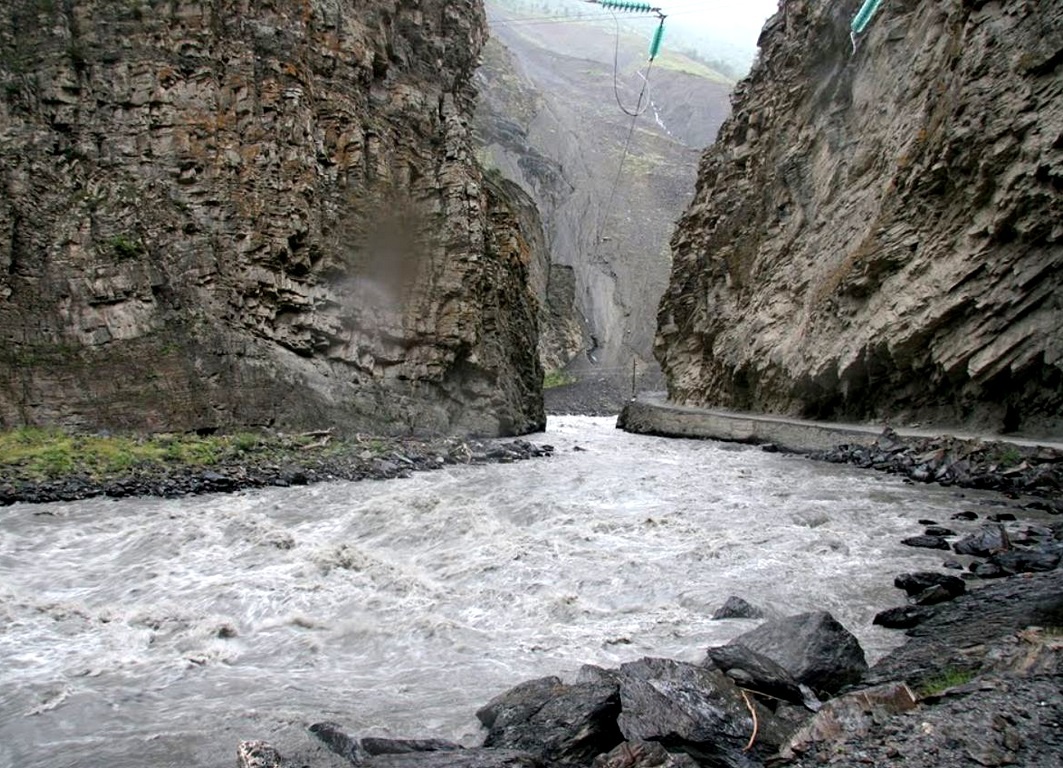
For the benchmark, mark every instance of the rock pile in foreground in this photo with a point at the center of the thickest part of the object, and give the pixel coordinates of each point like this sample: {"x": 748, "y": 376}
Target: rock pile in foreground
{"x": 978, "y": 683}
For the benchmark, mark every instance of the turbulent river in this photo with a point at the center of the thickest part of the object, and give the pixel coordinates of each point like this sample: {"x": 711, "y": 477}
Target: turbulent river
{"x": 162, "y": 632}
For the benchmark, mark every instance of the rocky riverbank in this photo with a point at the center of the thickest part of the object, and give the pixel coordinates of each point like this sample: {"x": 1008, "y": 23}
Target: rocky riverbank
{"x": 1009, "y": 467}
{"x": 278, "y": 461}
{"x": 978, "y": 681}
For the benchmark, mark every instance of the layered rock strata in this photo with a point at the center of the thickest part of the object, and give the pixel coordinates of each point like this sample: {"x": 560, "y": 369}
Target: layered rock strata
{"x": 229, "y": 213}
{"x": 877, "y": 234}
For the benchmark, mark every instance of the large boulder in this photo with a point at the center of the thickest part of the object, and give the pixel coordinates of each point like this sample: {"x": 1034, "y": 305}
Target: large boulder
{"x": 756, "y": 672}
{"x": 694, "y": 710}
{"x": 567, "y": 724}
{"x": 813, "y": 647}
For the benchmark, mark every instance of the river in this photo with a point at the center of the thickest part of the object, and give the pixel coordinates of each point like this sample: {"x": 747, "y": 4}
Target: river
{"x": 162, "y": 632}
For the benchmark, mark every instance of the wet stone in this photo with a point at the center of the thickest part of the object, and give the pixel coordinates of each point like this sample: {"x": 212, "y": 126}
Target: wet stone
{"x": 737, "y": 608}
{"x": 926, "y": 542}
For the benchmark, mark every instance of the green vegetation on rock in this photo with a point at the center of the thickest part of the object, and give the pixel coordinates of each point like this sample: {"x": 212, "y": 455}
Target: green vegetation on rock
{"x": 557, "y": 379}
{"x": 42, "y": 454}
{"x": 949, "y": 678}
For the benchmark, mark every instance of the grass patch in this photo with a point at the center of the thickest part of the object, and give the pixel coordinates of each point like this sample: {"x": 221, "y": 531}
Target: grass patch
{"x": 557, "y": 379}
{"x": 947, "y": 679}
{"x": 677, "y": 62}
{"x": 1007, "y": 456}
{"x": 46, "y": 454}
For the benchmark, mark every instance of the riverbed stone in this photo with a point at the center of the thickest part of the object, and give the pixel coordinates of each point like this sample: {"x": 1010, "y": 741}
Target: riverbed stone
{"x": 475, "y": 757}
{"x": 737, "y": 608}
{"x": 813, "y": 647}
{"x": 257, "y": 754}
{"x": 377, "y": 746}
{"x": 564, "y": 724}
{"x": 338, "y": 741}
{"x": 643, "y": 754}
{"x": 1025, "y": 561}
{"x": 926, "y": 542}
{"x": 756, "y": 672}
{"x": 983, "y": 543}
{"x": 695, "y": 710}
{"x": 902, "y": 617}
{"x": 920, "y": 581}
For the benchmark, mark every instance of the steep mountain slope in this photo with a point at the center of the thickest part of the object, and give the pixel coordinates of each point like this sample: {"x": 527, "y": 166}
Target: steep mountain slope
{"x": 548, "y": 119}
{"x": 255, "y": 213}
{"x": 878, "y": 234}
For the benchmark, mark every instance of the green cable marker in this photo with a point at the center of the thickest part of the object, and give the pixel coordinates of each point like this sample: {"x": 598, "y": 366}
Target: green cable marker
{"x": 863, "y": 16}
{"x": 655, "y": 46}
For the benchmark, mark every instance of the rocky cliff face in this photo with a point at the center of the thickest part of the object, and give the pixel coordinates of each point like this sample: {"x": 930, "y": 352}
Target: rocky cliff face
{"x": 227, "y": 213}
{"x": 878, "y": 234}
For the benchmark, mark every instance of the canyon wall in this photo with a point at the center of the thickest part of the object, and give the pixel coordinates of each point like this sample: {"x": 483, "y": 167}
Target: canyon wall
{"x": 224, "y": 213}
{"x": 876, "y": 235}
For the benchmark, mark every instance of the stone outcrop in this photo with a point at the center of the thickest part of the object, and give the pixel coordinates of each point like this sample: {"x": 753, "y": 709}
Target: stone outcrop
{"x": 876, "y": 235}
{"x": 232, "y": 213}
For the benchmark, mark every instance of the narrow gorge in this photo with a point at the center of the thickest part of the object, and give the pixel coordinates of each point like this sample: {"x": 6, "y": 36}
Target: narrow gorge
{"x": 276, "y": 276}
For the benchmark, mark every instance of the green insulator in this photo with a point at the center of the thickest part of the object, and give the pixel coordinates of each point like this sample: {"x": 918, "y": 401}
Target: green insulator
{"x": 863, "y": 16}
{"x": 655, "y": 46}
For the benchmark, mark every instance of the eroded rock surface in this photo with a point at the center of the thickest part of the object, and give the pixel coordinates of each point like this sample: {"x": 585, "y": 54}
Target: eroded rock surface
{"x": 235, "y": 213}
{"x": 877, "y": 235}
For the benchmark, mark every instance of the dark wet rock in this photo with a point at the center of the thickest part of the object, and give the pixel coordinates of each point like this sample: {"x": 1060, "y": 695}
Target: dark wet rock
{"x": 990, "y": 539}
{"x": 938, "y": 530}
{"x": 737, "y": 608}
{"x": 813, "y": 647}
{"x": 965, "y": 515}
{"x": 1001, "y": 517}
{"x": 695, "y": 710}
{"x": 756, "y": 672}
{"x": 377, "y": 746}
{"x": 1051, "y": 506}
{"x": 566, "y": 724}
{"x": 902, "y": 617}
{"x": 951, "y": 564}
{"x": 926, "y": 542}
{"x": 920, "y": 581}
{"x": 951, "y": 639}
{"x": 476, "y": 757}
{"x": 934, "y": 595}
{"x": 1025, "y": 561}
{"x": 338, "y": 741}
{"x": 643, "y": 754}
{"x": 984, "y": 570}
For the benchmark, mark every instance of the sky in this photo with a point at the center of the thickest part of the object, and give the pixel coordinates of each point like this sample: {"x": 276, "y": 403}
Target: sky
{"x": 740, "y": 20}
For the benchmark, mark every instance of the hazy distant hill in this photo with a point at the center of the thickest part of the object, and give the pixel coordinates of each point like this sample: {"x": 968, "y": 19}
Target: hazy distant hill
{"x": 549, "y": 119}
